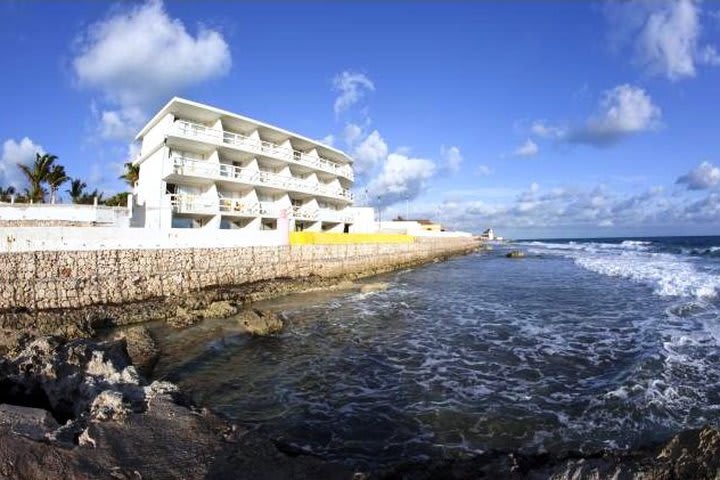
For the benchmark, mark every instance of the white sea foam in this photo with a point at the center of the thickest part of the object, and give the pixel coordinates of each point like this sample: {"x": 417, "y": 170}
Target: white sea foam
{"x": 668, "y": 274}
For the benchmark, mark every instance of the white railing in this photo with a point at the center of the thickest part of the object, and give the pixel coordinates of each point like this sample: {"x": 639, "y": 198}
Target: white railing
{"x": 186, "y": 203}
{"x": 238, "y": 207}
{"x": 305, "y": 213}
{"x": 260, "y": 147}
{"x": 222, "y": 171}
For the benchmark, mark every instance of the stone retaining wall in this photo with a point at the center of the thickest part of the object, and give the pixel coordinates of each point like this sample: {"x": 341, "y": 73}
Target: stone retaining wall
{"x": 40, "y": 283}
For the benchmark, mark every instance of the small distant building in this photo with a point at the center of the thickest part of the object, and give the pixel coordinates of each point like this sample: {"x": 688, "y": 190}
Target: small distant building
{"x": 488, "y": 234}
{"x": 430, "y": 226}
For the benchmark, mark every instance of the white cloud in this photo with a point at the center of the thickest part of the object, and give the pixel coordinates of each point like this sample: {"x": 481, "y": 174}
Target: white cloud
{"x": 483, "y": 171}
{"x": 709, "y": 56}
{"x": 352, "y": 133}
{"x": 543, "y": 130}
{"x": 328, "y": 139}
{"x": 527, "y": 149}
{"x": 138, "y": 56}
{"x": 402, "y": 177}
{"x": 369, "y": 152}
{"x": 665, "y": 35}
{"x": 452, "y": 158}
{"x": 352, "y": 87}
{"x": 120, "y": 124}
{"x": 14, "y": 153}
{"x": 623, "y": 110}
{"x": 704, "y": 176}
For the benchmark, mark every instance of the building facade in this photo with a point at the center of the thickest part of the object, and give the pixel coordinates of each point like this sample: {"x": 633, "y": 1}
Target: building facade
{"x": 202, "y": 167}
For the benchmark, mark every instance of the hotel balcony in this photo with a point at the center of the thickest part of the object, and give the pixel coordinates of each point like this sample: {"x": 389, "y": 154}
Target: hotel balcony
{"x": 186, "y": 167}
{"x": 196, "y": 205}
{"x": 198, "y": 132}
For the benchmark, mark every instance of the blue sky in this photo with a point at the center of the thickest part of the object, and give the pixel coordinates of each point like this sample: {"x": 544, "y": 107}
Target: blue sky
{"x": 541, "y": 119}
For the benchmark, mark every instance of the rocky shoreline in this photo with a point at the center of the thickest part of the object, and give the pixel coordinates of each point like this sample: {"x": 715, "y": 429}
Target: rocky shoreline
{"x": 81, "y": 409}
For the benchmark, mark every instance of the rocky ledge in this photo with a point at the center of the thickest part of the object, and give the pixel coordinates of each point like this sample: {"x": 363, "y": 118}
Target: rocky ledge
{"x": 79, "y": 409}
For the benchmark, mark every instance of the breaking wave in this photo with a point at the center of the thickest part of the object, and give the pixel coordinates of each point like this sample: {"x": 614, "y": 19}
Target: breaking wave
{"x": 668, "y": 274}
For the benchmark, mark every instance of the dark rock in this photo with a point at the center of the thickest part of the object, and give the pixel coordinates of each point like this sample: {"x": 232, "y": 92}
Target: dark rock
{"x": 141, "y": 347}
{"x": 35, "y": 423}
{"x": 515, "y": 254}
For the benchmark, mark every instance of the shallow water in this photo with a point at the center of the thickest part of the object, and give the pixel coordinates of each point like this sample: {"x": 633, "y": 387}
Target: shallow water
{"x": 579, "y": 346}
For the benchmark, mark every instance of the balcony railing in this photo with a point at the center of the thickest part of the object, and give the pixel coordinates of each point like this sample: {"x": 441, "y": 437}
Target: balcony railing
{"x": 238, "y": 207}
{"x": 260, "y": 147}
{"x": 222, "y": 171}
{"x": 305, "y": 213}
{"x": 196, "y": 204}
{"x": 185, "y": 203}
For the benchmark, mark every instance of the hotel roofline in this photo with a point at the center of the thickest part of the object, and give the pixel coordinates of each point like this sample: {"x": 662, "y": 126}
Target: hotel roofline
{"x": 176, "y": 105}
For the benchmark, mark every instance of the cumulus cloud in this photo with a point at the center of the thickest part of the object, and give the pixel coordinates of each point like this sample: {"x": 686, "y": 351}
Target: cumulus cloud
{"x": 624, "y": 110}
{"x": 351, "y": 88}
{"x": 120, "y": 124}
{"x": 527, "y": 149}
{"x": 452, "y": 158}
{"x": 563, "y": 207}
{"x": 328, "y": 139}
{"x": 14, "y": 153}
{"x": 140, "y": 55}
{"x": 368, "y": 152}
{"x": 664, "y": 35}
{"x": 704, "y": 176}
{"x": 402, "y": 177}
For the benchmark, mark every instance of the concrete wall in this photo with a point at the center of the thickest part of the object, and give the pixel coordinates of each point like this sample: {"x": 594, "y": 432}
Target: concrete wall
{"x": 41, "y": 214}
{"x": 28, "y": 239}
{"x": 42, "y": 281}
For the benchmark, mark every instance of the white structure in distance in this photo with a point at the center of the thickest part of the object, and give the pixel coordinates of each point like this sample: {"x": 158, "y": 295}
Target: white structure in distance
{"x": 202, "y": 167}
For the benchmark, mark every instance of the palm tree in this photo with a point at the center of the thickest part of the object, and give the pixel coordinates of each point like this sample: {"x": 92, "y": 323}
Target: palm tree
{"x": 89, "y": 198}
{"x": 76, "y": 190}
{"x": 37, "y": 174}
{"x": 6, "y": 193}
{"x": 132, "y": 174}
{"x": 55, "y": 179}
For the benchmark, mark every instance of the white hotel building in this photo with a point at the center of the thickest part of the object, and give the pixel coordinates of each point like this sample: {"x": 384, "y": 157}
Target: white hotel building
{"x": 202, "y": 167}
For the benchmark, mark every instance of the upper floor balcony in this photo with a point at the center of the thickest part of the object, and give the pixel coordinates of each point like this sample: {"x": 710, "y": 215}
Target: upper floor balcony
{"x": 256, "y": 146}
{"x": 221, "y": 171}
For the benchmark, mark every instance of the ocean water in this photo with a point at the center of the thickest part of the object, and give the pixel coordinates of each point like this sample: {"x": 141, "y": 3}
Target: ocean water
{"x": 582, "y": 345}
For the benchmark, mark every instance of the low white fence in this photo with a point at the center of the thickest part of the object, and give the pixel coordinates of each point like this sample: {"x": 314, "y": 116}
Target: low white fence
{"x": 23, "y": 239}
{"x": 64, "y": 212}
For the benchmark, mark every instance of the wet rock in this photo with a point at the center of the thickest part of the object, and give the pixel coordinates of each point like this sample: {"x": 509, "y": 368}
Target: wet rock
{"x": 119, "y": 428}
{"x": 260, "y": 322}
{"x": 184, "y": 318}
{"x": 141, "y": 347}
{"x": 222, "y": 309}
{"x": 515, "y": 254}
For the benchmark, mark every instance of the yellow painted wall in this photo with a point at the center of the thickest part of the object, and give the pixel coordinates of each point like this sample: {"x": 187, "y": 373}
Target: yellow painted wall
{"x": 323, "y": 238}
